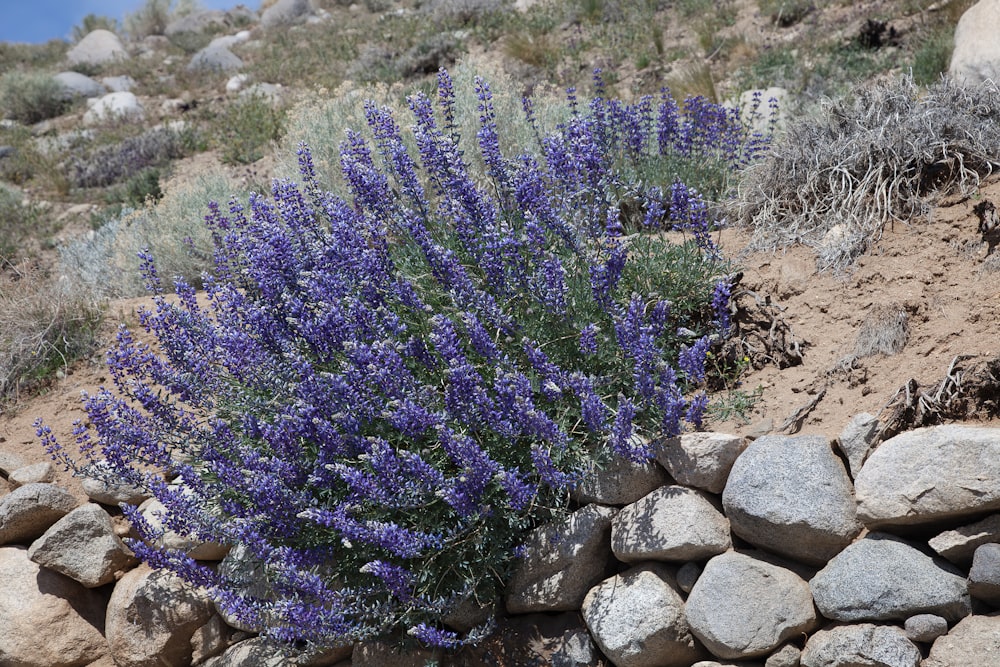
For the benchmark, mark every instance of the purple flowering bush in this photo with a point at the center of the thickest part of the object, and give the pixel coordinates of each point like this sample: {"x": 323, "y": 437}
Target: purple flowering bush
{"x": 376, "y": 397}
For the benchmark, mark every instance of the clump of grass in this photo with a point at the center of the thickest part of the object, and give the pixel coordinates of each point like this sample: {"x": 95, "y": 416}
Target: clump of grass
{"x": 150, "y": 19}
{"x": 869, "y": 160}
{"x": 30, "y": 97}
{"x": 45, "y": 325}
{"x": 933, "y": 57}
{"x": 786, "y": 13}
{"x": 92, "y": 22}
{"x": 247, "y": 127}
{"x": 14, "y": 55}
{"x": 884, "y": 330}
{"x": 19, "y": 221}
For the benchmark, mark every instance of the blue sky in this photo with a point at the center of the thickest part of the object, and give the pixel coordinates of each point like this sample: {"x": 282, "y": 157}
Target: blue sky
{"x": 41, "y": 20}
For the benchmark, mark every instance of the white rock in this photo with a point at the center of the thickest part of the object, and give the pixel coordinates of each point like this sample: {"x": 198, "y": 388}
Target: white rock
{"x": 562, "y": 562}
{"x": 114, "y": 106}
{"x": 37, "y": 473}
{"x": 742, "y": 607}
{"x": 153, "y": 511}
{"x": 620, "y": 482}
{"x": 46, "y": 619}
{"x": 701, "y": 460}
{"x": 97, "y": 48}
{"x": 792, "y": 495}
{"x": 976, "y": 56}
{"x": 973, "y": 642}
{"x": 637, "y": 619}
{"x": 29, "y": 510}
{"x": 236, "y": 82}
{"x": 881, "y": 578}
{"x": 929, "y": 475}
{"x": 83, "y": 546}
{"x": 151, "y": 618}
{"x": 960, "y": 544}
{"x": 863, "y": 645}
{"x": 673, "y": 523}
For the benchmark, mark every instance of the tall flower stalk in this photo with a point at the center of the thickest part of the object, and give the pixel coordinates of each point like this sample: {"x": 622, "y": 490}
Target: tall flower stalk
{"x": 375, "y": 398}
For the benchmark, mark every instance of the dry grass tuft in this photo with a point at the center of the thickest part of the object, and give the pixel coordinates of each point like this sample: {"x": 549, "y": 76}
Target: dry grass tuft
{"x": 44, "y": 326}
{"x": 834, "y": 181}
{"x": 884, "y": 330}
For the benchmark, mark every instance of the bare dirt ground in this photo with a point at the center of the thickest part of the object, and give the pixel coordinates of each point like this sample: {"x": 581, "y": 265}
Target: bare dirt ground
{"x": 935, "y": 271}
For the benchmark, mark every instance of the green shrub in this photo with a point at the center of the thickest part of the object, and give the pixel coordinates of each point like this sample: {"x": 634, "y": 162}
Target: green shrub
{"x": 247, "y": 127}
{"x": 933, "y": 57}
{"x": 382, "y": 394}
{"x": 30, "y": 97}
{"x": 18, "y": 223}
{"x": 150, "y": 19}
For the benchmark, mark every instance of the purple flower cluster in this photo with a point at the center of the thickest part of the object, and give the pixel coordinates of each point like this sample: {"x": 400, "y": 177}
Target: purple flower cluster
{"x": 387, "y": 389}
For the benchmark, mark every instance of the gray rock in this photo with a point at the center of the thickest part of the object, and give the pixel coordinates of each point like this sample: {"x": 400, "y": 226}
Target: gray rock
{"x": 857, "y": 440}
{"x": 211, "y": 639}
{"x": 925, "y": 628}
{"x": 673, "y": 523}
{"x": 960, "y": 544}
{"x": 930, "y": 474}
{"x": 984, "y": 577}
{"x": 28, "y": 511}
{"x": 637, "y": 619}
{"x": 562, "y": 562}
{"x": 788, "y": 655}
{"x": 151, "y": 618}
{"x": 46, "y": 619}
{"x": 7, "y": 151}
{"x": 791, "y": 495}
{"x": 75, "y": 84}
{"x": 974, "y": 642}
{"x": 976, "y": 56}
{"x": 119, "y": 84}
{"x": 215, "y": 59}
{"x": 10, "y": 462}
{"x": 556, "y": 640}
{"x": 100, "y": 485}
{"x": 83, "y": 546}
{"x": 114, "y": 106}
{"x": 229, "y": 41}
{"x": 687, "y": 576}
{"x": 881, "y": 578}
{"x": 701, "y": 460}
{"x": 620, "y": 482}
{"x": 286, "y": 12}
{"x": 863, "y": 645}
{"x": 742, "y": 607}
{"x": 249, "y": 575}
{"x": 37, "y": 473}
{"x": 257, "y": 652}
{"x": 268, "y": 92}
{"x": 97, "y": 48}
